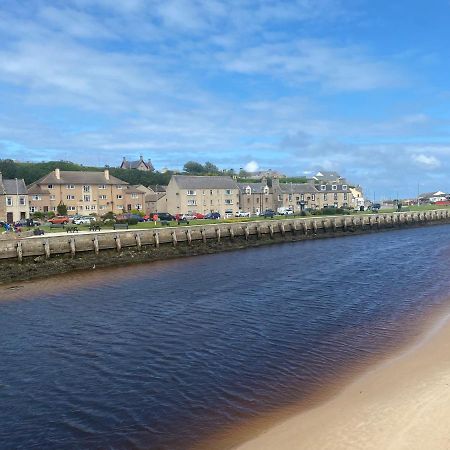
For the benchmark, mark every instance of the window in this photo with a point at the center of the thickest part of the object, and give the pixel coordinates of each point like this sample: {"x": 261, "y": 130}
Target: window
{"x": 36, "y": 197}
{"x": 323, "y": 187}
{"x": 102, "y": 207}
{"x": 192, "y": 202}
{"x": 102, "y": 197}
{"x": 86, "y": 189}
{"x": 119, "y": 196}
{"x": 138, "y": 207}
{"x": 119, "y": 206}
{"x": 102, "y": 186}
{"x": 210, "y": 192}
{"x": 228, "y": 201}
{"x": 313, "y": 197}
{"x": 290, "y": 197}
{"x": 87, "y": 207}
{"x": 335, "y": 196}
{"x": 248, "y": 190}
{"x": 70, "y": 197}
{"x": 9, "y": 201}
{"x": 22, "y": 201}
{"x": 280, "y": 198}
{"x": 50, "y": 186}
{"x": 191, "y": 192}
{"x": 53, "y": 208}
{"x": 71, "y": 208}
{"x": 119, "y": 186}
{"x": 345, "y": 195}
{"x": 325, "y": 197}
{"x": 266, "y": 190}
{"x": 87, "y": 198}
{"x": 52, "y": 197}
{"x": 134, "y": 195}
{"x": 70, "y": 186}
{"x": 334, "y": 187}
{"x": 302, "y": 197}
{"x": 227, "y": 191}
{"x": 33, "y": 209}
{"x": 93, "y": 207}
{"x": 344, "y": 187}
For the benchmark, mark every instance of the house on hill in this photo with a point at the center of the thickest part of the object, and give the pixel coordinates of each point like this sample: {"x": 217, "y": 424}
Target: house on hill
{"x": 140, "y": 164}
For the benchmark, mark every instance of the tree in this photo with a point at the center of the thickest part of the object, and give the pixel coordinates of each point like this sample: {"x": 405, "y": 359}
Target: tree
{"x": 61, "y": 209}
{"x": 211, "y": 169}
{"x": 194, "y": 168}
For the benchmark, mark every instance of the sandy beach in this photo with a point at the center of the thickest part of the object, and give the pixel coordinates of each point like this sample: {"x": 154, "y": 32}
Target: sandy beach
{"x": 402, "y": 403}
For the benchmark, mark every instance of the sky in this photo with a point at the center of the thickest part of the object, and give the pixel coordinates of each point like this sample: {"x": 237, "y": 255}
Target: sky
{"x": 361, "y": 87}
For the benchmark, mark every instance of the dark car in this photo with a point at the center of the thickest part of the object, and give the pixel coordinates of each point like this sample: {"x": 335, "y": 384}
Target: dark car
{"x": 212, "y": 215}
{"x": 165, "y": 216}
{"x": 268, "y": 213}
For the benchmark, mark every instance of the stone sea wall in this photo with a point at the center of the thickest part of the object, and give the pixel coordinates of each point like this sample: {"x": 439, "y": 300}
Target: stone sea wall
{"x": 30, "y": 257}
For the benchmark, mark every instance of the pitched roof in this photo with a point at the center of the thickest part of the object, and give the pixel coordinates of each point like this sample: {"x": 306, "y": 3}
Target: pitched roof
{"x": 36, "y": 189}
{"x": 257, "y": 188}
{"x": 204, "y": 182}
{"x": 135, "y": 164}
{"x": 298, "y": 188}
{"x": 13, "y": 187}
{"x": 79, "y": 177}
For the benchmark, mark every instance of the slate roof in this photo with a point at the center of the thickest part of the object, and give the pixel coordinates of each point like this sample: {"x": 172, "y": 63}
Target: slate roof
{"x": 135, "y": 164}
{"x": 13, "y": 187}
{"x": 36, "y": 189}
{"x": 79, "y": 177}
{"x": 203, "y": 182}
{"x": 257, "y": 188}
{"x": 298, "y": 188}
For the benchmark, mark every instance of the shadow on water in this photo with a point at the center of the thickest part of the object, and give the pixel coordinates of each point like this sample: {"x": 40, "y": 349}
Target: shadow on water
{"x": 164, "y": 355}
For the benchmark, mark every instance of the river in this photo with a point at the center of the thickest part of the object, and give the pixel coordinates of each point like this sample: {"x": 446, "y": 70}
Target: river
{"x": 167, "y": 354}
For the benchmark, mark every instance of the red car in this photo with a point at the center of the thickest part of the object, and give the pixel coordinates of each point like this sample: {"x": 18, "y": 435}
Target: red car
{"x": 59, "y": 219}
{"x": 199, "y": 216}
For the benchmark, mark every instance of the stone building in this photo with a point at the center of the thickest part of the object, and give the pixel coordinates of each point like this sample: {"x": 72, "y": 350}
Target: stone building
{"x": 301, "y": 196}
{"x": 202, "y": 194}
{"x": 140, "y": 164}
{"x": 83, "y": 192}
{"x": 13, "y": 200}
{"x": 255, "y": 197}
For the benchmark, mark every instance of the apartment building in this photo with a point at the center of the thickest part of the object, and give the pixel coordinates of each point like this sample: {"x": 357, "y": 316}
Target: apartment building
{"x": 301, "y": 196}
{"x": 13, "y": 200}
{"x": 202, "y": 194}
{"x": 83, "y": 192}
{"x": 255, "y": 197}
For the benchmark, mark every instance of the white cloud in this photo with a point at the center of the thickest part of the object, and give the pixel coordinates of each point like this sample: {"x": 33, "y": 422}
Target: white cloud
{"x": 427, "y": 161}
{"x": 251, "y": 167}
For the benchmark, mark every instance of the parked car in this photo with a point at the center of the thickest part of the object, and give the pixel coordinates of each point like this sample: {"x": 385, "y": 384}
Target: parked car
{"x": 59, "y": 219}
{"x": 27, "y": 223}
{"x": 199, "y": 216}
{"x": 165, "y": 216}
{"x": 285, "y": 211}
{"x": 84, "y": 220}
{"x": 212, "y": 215}
{"x": 242, "y": 214}
{"x": 127, "y": 216}
{"x": 185, "y": 217}
{"x": 268, "y": 213}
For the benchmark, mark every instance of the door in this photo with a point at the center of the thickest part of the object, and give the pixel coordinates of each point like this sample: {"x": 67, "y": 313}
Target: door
{"x": 9, "y": 217}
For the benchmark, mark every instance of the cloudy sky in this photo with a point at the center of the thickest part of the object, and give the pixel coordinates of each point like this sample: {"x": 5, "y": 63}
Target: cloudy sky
{"x": 357, "y": 86}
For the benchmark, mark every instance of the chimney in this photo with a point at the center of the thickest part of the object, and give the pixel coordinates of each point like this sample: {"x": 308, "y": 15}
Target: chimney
{"x": 264, "y": 181}
{"x": 107, "y": 174}
{"x": 275, "y": 183}
{"x": 57, "y": 174}
{"x": 141, "y": 158}
{"x": 124, "y": 159}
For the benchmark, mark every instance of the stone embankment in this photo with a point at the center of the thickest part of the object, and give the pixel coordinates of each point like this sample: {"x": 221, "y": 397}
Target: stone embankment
{"x": 30, "y": 257}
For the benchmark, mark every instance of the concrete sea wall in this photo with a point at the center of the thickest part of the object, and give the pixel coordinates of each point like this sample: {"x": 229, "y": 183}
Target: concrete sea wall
{"x": 31, "y": 257}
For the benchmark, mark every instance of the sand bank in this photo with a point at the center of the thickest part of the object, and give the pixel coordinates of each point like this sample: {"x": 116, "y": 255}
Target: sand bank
{"x": 403, "y": 403}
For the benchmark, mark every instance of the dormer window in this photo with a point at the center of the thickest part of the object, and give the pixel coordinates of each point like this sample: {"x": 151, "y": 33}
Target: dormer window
{"x": 323, "y": 187}
{"x": 266, "y": 190}
{"x": 334, "y": 187}
{"x": 344, "y": 188}
{"x": 248, "y": 190}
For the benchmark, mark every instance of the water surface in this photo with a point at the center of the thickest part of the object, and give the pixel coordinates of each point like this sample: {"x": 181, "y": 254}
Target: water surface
{"x": 162, "y": 355}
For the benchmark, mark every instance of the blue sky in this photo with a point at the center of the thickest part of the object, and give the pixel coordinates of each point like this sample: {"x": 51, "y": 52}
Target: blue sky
{"x": 356, "y": 86}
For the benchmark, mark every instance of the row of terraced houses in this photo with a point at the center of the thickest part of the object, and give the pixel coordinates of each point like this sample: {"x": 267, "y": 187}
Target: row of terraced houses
{"x": 99, "y": 192}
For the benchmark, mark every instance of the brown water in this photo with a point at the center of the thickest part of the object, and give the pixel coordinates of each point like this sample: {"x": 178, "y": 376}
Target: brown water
{"x": 163, "y": 355}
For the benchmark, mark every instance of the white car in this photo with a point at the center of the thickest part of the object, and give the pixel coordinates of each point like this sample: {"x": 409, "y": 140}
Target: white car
{"x": 83, "y": 220}
{"x": 242, "y": 214}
